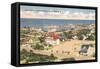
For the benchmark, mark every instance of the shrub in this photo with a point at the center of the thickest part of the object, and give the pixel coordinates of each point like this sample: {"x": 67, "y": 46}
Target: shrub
{"x": 39, "y": 46}
{"x": 80, "y": 37}
{"x": 67, "y": 35}
{"x": 91, "y": 37}
{"x": 52, "y": 57}
{"x": 69, "y": 59}
{"x": 82, "y": 32}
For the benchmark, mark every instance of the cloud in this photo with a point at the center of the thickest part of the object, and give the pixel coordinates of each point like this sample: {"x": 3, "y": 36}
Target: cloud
{"x": 57, "y": 15}
{"x": 67, "y": 13}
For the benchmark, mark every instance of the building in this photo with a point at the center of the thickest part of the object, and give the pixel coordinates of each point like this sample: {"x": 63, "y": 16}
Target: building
{"x": 87, "y": 50}
{"x": 52, "y": 38}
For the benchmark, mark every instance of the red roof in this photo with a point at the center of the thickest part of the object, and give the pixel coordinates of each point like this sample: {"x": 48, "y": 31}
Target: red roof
{"x": 55, "y": 36}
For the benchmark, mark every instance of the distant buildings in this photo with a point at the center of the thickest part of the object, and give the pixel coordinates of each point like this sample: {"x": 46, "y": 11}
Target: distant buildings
{"x": 65, "y": 27}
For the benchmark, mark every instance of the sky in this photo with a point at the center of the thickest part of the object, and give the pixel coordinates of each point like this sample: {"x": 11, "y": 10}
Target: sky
{"x": 38, "y": 12}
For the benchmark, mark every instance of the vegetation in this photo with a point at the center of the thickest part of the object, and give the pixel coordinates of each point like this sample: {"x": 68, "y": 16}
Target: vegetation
{"x": 80, "y": 37}
{"x": 67, "y": 35}
{"x": 24, "y": 32}
{"x": 70, "y": 34}
{"x": 22, "y": 35}
{"x": 38, "y": 43}
{"x": 39, "y": 46}
{"x": 91, "y": 37}
{"x": 32, "y": 57}
{"x": 52, "y": 57}
{"x": 41, "y": 39}
{"x": 82, "y": 32}
{"x": 68, "y": 59}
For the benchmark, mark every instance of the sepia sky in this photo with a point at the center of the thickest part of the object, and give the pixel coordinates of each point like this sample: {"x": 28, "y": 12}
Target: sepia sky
{"x": 56, "y": 13}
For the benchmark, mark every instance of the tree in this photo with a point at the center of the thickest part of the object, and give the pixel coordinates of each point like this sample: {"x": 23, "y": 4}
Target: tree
{"x": 52, "y": 57}
{"x": 39, "y": 46}
{"x": 82, "y": 32}
{"x": 91, "y": 37}
{"x": 42, "y": 39}
{"x": 67, "y": 35}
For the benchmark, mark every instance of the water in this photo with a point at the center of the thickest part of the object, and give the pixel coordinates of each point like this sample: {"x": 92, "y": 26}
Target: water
{"x": 44, "y": 22}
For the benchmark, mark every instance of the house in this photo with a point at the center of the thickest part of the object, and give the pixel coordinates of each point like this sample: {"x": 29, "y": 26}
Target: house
{"x": 50, "y": 41}
{"x": 84, "y": 37}
{"x": 56, "y": 38}
{"x": 87, "y": 50}
{"x": 84, "y": 49}
{"x": 52, "y": 38}
{"x": 75, "y": 37}
{"x": 92, "y": 31}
